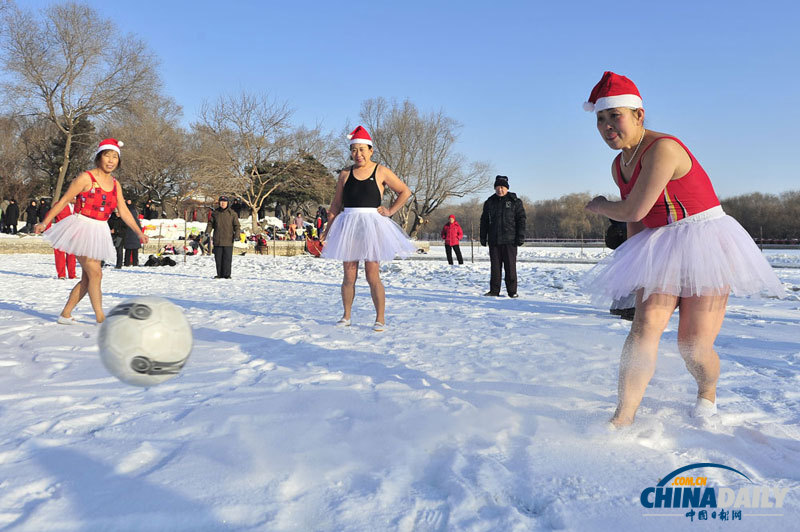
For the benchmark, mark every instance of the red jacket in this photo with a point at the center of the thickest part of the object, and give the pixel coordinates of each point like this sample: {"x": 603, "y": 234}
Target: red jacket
{"x": 66, "y": 211}
{"x": 452, "y": 233}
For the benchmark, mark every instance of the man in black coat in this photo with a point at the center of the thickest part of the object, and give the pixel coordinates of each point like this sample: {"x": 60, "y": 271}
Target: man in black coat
{"x": 118, "y": 228}
{"x": 11, "y": 216}
{"x": 503, "y": 228}
{"x": 130, "y": 241}
{"x": 224, "y": 228}
{"x": 31, "y": 216}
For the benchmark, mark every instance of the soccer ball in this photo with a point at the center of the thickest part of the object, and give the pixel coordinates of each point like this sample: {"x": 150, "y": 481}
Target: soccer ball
{"x": 145, "y": 341}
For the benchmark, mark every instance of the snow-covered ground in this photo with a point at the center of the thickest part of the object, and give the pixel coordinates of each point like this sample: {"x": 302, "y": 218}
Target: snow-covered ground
{"x": 468, "y": 413}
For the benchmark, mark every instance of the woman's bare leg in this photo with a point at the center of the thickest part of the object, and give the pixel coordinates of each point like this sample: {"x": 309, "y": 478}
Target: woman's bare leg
{"x": 376, "y": 290}
{"x": 639, "y": 355}
{"x": 349, "y": 287}
{"x": 700, "y": 322}
{"x": 91, "y": 276}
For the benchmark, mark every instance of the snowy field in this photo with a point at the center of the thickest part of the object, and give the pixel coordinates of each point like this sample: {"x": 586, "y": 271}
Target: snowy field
{"x": 467, "y": 413}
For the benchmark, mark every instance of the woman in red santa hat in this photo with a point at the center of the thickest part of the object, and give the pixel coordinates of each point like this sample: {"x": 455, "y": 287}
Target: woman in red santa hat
{"x": 86, "y": 234}
{"x": 682, "y": 251}
{"x": 360, "y": 228}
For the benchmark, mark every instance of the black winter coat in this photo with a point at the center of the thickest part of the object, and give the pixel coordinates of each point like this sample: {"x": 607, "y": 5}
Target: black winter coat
{"x": 118, "y": 226}
{"x": 32, "y": 214}
{"x": 503, "y": 221}
{"x": 131, "y": 239}
{"x": 12, "y": 214}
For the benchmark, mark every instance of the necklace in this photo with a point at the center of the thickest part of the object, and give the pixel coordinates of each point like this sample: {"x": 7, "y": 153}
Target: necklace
{"x": 634, "y": 151}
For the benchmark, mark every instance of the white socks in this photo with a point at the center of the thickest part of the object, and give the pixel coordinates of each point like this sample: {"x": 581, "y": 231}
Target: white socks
{"x": 704, "y": 408}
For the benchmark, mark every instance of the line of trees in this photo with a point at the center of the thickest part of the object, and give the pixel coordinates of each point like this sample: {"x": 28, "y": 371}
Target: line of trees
{"x": 764, "y": 216}
{"x": 71, "y": 78}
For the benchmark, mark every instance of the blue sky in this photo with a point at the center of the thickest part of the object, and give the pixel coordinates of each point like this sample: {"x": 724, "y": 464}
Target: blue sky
{"x": 722, "y": 76}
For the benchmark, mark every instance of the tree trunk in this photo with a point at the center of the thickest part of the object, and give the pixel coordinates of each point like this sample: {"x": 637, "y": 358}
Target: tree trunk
{"x": 255, "y": 228}
{"x": 62, "y": 172}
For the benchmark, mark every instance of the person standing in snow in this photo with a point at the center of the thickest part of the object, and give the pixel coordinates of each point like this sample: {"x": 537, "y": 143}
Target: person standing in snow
{"x": 11, "y": 217}
{"x": 682, "y": 250}
{"x": 452, "y": 235}
{"x": 130, "y": 239}
{"x": 31, "y": 216}
{"x": 65, "y": 262}
{"x": 503, "y": 229}
{"x": 364, "y": 229}
{"x": 87, "y": 235}
{"x": 224, "y": 230}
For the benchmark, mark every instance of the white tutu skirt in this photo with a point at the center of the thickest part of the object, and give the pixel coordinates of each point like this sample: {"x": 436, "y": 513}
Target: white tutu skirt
{"x": 702, "y": 255}
{"x": 363, "y": 234}
{"x": 83, "y": 237}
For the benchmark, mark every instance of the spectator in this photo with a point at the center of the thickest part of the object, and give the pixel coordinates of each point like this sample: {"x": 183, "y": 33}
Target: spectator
{"x": 65, "y": 262}
{"x": 118, "y": 227}
{"x": 31, "y": 216}
{"x": 11, "y": 216}
{"x": 131, "y": 240}
{"x": 3, "y": 206}
{"x": 452, "y": 235}
{"x": 503, "y": 228}
{"x": 320, "y": 220}
{"x": 44, "y": 206}
{"x": 224, "y": 229}
{"x": 624, "y": 307}
{"x": 300, "y": 224}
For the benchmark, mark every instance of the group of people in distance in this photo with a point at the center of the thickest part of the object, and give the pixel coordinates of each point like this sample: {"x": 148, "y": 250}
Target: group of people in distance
{"x": 682, "y": 252}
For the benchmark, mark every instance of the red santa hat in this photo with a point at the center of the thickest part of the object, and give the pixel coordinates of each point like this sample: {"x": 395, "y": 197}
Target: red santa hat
{"x": 109, "y": 144}
{"x": 611, "y": 91}
{"x": 359, "y": 136}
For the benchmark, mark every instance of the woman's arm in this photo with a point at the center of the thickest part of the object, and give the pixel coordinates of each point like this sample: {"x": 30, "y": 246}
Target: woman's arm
{"x": 398, "y": 187}
{"x": 82, "y": 183}
{"x": 667, "y": 160}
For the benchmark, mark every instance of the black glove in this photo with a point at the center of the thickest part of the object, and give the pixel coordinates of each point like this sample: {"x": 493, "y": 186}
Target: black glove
{"x": 615, "y": 236}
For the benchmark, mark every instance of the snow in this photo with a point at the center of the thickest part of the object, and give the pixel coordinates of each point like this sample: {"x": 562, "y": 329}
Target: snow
{"x": 467, "y": 413}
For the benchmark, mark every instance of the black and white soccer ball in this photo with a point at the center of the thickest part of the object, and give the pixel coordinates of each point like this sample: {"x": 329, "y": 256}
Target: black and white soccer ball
{"x": 145, "y": 341}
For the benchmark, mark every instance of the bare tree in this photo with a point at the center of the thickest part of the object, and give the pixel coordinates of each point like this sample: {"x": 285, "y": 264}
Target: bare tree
{"x": 70, "y": 65}
{"x": 156, "y": 155}
{"x": 420, "y": 149}
{"x": 246, "y": 146}
{"x": 14, "y": 180}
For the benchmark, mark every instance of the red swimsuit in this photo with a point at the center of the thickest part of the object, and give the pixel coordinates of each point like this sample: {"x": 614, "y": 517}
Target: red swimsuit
{"x": 683, "y": 197}
{"x": 97, "y": 203}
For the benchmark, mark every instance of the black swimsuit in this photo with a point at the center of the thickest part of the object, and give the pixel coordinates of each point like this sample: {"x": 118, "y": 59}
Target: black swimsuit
{"x": 361, "y": 193}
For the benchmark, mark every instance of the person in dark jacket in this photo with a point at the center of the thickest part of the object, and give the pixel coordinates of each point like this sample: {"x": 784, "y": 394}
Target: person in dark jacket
{"x": 11, "y": 216}
{"x": 616, "y": 234}
{"x": 117, "y": 226}
{"x": 503, "y": 229}
{"x": 224, "y": 229}
{"x": 452, "y": 235}
{"x": 31, "y": 216}
{"x": 44, "y": 206}
{"x": 131, "y": 239}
